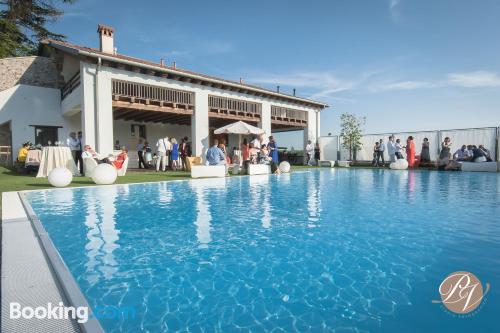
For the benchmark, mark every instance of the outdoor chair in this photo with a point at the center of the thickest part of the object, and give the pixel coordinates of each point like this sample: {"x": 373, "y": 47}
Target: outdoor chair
{"x": 123, "y": 170}
{"x": 190, "y": 161}
{"x": 89, "y": 165}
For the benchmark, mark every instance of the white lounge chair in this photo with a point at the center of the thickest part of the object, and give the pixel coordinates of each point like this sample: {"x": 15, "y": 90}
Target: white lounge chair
{"x": 89, "y": 165}
{"x": 259, "y": 169}
{"x": 327, "y": 164}
{"x": 479, "y": 166}
{"x": 123, "y": 170}
{"x": 206, "y": 171}
{"x": 344, "y": 164}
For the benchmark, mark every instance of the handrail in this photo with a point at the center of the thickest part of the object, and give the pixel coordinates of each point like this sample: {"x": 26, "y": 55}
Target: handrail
{"x": 236, "y": 105}
{"x": 71, "y": 85}
{"x": 152, "y": 93}
{"x": 283, "y": 112}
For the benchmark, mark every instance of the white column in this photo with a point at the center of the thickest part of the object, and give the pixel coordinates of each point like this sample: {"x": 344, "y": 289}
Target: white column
{"x": 199, "y": 124}
{"x": 87, "y": 77}
{"x": 265, "y": 117}
{"x": 318, "y": 124}
{"x": 104, "y": 114}
{"x": 310, "y": 131}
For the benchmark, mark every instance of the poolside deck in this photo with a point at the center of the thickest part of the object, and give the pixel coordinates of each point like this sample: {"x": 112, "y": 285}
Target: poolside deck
{"x": 27, "y": 277}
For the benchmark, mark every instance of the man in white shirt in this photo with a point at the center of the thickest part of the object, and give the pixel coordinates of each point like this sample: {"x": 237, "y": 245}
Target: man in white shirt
{"x": 162, "y": 149}
{"x": 463, "y": 154}
{"x": 309, "y": 152}
{"x": 88, "y": 152}
{"x": 75, "y": 146}
{"x": 391, "y": 149}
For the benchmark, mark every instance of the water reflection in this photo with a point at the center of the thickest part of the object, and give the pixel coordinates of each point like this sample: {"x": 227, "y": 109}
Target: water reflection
{"x": 260, "y": 197}
{"x": 313, "y": 199}
{"x": 202, "y": 189}
{"x": 102, "y": 234}
{"x": 164, "y": 193}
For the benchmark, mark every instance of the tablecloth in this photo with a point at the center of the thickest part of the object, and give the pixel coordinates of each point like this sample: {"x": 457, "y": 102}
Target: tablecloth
{"x": 55, "y": 157}
{"x": 33, "y": 158}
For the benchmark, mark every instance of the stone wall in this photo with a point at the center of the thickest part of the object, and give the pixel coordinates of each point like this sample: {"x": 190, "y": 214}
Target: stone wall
{"x": 33, "y": 71}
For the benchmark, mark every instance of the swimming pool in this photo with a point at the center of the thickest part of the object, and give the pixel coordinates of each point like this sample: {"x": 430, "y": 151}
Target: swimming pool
{"x": 321, "y": 250}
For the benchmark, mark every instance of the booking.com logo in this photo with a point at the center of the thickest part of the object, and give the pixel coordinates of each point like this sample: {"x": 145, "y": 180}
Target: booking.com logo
{"x": 81, "y": 314}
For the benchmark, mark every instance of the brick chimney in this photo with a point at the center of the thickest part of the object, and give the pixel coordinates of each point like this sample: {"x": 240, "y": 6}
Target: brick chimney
{"x": 106, "y": 33}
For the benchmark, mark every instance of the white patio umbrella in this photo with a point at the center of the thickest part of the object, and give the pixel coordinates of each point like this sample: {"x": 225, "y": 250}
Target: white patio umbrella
{"x": 240, "y": 128}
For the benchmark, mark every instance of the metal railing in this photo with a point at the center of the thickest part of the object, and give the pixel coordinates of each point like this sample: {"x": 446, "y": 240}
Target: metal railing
{"x": 287, "y": 113}
{"x": 71, "y": 85}
{"x": 234, "y": 105}
{"x": 152, "y": 93}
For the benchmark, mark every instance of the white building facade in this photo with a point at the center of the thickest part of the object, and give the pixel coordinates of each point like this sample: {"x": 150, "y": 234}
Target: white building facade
{"x": 112, "y": 97}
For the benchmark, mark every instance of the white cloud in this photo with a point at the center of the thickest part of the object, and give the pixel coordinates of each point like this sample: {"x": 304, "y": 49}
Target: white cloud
{"x": 477, "y": 79}
{"x": 306, "y": 79}
{"x": 394, "y": 9}
{"x": 328, "y": 87}
{"x": 217, "y": 47}
{"x": 324, "y": 85}
{"x": 174, "y": 53}
{"x": 402, "y": 85}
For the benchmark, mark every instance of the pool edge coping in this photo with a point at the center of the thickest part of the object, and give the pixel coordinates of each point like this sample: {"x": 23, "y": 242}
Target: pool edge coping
{"x": 62, "y": 275}
{"x": 163, "y": 181}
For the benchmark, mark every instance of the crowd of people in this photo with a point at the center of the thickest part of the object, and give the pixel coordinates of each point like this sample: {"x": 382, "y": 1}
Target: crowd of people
{"x": 257, "y": 151}
{"x": 168, "y": 154}
{"x": 446, "y": 161}
{"x": 466, "y": 153}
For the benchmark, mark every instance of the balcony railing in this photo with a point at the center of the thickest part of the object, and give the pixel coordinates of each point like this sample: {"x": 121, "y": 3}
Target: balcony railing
{"x": 235, "y": 106}
{"x": 287, "y": 114}
{"x": 71, "y": 85}
{"x": 149, "y": 93}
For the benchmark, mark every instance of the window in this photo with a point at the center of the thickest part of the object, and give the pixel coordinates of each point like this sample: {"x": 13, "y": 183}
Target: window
{"x": 46, "y": 135}
{"x": 138, "y": 131}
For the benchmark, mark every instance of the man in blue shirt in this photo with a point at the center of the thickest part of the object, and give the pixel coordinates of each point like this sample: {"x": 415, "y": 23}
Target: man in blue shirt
{"x": 215, "y": 156}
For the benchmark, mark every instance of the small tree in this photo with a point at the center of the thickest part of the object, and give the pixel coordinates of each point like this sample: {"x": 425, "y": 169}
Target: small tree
{"x": 351, "y": 132}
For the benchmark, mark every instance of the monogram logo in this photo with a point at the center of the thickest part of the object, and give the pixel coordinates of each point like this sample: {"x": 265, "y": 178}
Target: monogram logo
{"x": 462, "y": 292}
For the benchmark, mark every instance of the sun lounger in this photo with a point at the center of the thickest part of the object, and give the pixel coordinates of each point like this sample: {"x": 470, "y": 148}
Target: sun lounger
{"x": 123, "y": 170}
{"x": 259, "y": 169}
{"x": 327, "y": 164}
{"x": 479, "y": 166}
{"x": 205, "y": 171}
{"x": 191, "y": 161}
{"x": 344, "y": 164}
{"x": 89, "y": 165}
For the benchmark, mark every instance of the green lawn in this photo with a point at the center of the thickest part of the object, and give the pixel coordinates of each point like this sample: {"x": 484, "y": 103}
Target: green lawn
{"x": 13, "y": 181}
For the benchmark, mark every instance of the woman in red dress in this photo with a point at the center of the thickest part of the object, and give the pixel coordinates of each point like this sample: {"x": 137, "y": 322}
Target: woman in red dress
{"x": 410, "y": 151}
{"x": 245, "y": 150}
{"x": 120, "y": 159}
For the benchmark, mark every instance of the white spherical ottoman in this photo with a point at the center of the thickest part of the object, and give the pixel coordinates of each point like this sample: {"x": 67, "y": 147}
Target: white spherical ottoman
{"x": 104, "y": 174}
{"x": 60, "y": 177}
{"x": 284, "y": 167}
{"x": 400, "y": 164}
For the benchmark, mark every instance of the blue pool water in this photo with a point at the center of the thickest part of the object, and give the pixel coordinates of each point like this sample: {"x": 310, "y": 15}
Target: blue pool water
{"x": 315, "y": 251}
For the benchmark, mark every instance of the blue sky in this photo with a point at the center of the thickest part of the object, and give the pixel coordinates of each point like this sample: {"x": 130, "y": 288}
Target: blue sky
{"x": 403, "y": 64}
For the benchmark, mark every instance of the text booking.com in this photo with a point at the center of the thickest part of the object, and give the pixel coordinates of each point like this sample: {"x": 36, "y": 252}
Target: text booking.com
{"x": 58, "y": 311}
